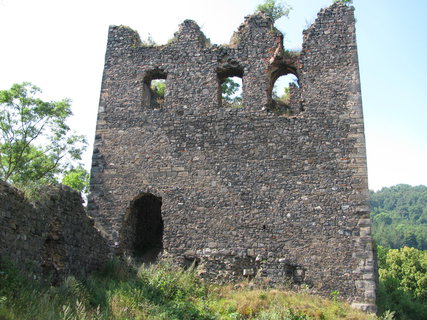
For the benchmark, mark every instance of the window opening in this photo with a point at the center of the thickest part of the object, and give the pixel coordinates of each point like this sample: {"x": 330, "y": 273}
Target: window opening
{"x": 281, "y": 94}
{"x": 230, "y": 84}
{"x": 155, "y": 88}
{"x": 231, "y": 92}
{"x": 158, "y": 88}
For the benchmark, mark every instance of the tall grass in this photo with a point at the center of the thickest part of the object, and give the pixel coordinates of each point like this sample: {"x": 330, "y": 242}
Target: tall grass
{"x": 160, "y": 291}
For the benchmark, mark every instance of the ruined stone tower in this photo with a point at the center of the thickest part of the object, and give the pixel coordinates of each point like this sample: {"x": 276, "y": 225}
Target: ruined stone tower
{"x": 248, "y": 191}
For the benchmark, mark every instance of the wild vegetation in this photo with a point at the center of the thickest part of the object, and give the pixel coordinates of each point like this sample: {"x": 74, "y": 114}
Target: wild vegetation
{"x": 230, "y": 89}
{"x": 403, "y": 282}
{"x": 274, "y": 9}
{"x": 399, "y": 220}
{"x": 346, "y": 2}
{"x": 166, "y": 292}
{"x": 37, "y": 146}
{"x": 163, "y": 291}
{"x": 399, "y": 216}
{"x": 158, "y": 90}
{"x": 159, "y": 291}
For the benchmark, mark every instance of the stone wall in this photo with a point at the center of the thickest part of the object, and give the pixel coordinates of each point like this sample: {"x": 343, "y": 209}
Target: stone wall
{"x": 52, "y": 237}
{"x": 245, "y": 192}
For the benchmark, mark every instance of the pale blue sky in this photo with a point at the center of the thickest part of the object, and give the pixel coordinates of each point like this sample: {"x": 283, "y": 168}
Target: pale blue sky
{"x": 59, "y": 45}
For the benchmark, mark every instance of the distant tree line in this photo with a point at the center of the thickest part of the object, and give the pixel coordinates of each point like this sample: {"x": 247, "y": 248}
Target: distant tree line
{"x": 399, "y": 220}
{"x": 399, "y": 216}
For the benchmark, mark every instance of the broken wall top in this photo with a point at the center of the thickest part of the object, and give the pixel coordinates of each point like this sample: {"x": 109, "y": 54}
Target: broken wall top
{"x": 238, "y": 183}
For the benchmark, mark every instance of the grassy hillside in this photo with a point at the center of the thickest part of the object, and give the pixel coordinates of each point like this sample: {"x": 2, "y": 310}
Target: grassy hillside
{"x": 158, "y": 292}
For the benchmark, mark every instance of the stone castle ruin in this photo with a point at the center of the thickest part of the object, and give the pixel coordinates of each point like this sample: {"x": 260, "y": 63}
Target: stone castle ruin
{"x": 275, "y": 195}
{"x": 241, "y": 192}
{"x": 52, "y": 237}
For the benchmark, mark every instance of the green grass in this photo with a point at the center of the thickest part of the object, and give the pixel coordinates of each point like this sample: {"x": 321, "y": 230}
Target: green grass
{"x": 161, "y": 291}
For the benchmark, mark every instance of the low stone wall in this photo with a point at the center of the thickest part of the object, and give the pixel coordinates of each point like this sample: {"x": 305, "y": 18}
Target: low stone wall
{"x": 53, "y": 237}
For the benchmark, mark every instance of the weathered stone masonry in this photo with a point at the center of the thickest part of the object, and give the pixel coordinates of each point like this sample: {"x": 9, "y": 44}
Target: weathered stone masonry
{"x": 52, "y": 237}
{"x": 244, "y": 192}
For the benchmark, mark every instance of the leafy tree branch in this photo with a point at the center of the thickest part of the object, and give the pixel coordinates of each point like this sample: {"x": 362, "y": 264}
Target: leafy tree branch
{"x": 274, "y": 9}
{"x": 36, "y": 144}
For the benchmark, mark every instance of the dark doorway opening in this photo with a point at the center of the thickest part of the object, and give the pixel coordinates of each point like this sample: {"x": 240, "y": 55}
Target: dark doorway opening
{"x": 146, "y": 226}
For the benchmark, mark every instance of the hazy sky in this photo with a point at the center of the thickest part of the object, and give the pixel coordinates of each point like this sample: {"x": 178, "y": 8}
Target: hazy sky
{"x": 60, "y": 46}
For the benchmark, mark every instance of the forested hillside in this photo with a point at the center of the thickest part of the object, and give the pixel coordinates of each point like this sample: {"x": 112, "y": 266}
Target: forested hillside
{"x": 399, "y": 216}
{"x": 399, "y": 220}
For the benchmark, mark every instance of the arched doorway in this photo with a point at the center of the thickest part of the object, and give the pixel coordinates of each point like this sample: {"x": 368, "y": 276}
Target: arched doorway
{"x": 142, "y": 232}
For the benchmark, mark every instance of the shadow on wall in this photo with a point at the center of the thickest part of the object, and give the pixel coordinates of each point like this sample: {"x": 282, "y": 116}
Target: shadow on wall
{"x": 54, "y": 254}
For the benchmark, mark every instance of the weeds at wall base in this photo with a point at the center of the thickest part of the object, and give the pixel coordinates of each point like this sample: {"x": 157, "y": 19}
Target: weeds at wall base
{"x": 158, "y": 291}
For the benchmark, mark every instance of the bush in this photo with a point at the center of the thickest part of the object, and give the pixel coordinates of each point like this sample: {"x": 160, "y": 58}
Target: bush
{"x": 403, "y": 282}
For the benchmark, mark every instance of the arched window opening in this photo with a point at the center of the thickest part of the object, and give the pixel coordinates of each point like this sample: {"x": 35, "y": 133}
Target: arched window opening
{"x": 230, "y": 80}
{"x": 142, "y": 233}
{"x": 155, "y": 88}
{"x": 282, "y": 92}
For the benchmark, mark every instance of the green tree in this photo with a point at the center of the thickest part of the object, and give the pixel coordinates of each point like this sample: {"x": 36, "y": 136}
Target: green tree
{"x": 273, "y": 9}
{"x": 77, "y": 178}
{"x": 159, "y": 88}
{"x": 284, "y": 98}
{"x": 402, "y": 282}
{"x": 346, "y": 2}
{"x": 409, "y": 267}
{"x": 36, "y": 145}
{"x": 229, "y": 88}
{"x": 399, "y": 216}
{"x": 149, "y": 42}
